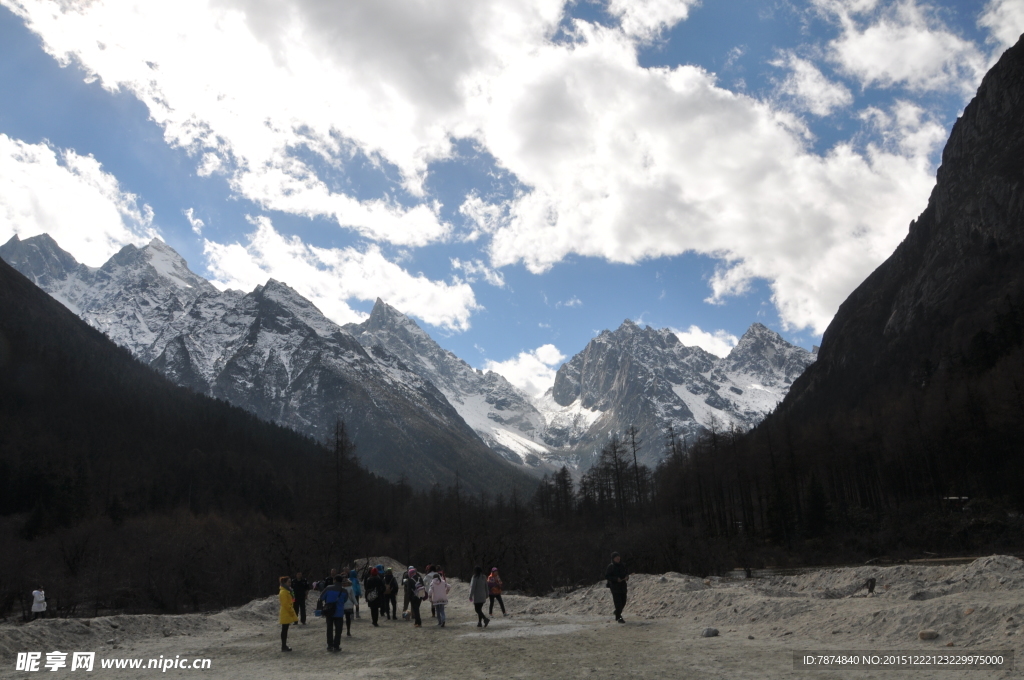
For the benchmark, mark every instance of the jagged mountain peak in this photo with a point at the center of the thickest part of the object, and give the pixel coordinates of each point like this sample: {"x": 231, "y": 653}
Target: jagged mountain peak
{"x": 40, "y": 256}
{"x": 156, "y": 261}
{"x": 647, "y": 378}
{"x": 289, "y": 301}
{"x": 758, "y": 333}
{"x": 385, "y": 317}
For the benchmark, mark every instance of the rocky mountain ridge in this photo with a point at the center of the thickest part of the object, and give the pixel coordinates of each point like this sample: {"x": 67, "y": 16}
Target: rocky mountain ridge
{"x": 647, "y": 379}
{"x": 272, "y": 352}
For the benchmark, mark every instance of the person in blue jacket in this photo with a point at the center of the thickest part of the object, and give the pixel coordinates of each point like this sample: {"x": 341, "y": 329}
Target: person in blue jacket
{"x": 332, "y": 604}
{"x": 357, "y": 588}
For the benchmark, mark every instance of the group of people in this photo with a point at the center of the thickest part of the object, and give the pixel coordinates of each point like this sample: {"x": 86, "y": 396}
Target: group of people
{"x": 340, "y": 595}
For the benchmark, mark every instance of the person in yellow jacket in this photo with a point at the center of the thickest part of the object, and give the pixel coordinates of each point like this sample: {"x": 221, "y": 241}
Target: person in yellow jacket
{"x": 287, "y": 616}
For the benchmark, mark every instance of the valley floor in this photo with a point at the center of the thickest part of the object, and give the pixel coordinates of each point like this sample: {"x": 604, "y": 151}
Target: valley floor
{"x": 972, "y": 607}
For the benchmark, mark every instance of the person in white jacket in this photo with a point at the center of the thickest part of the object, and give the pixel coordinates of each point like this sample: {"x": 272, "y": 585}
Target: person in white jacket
{"x": 438, "y": 593}
{"x": 350, "y": 605}
{"x": 38, "y": 603}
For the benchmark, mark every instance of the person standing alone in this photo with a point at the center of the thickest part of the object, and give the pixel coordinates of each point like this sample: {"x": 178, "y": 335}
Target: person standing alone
{"x": 617, "y": 575}
{"x": 286, "y": 616}
{"x": 38, "y": 604}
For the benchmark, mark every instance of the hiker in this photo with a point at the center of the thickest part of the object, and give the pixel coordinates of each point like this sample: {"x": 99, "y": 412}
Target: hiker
{"x": 428, "y": 579}
{"x": 416, "y": 592}
{"x": 617, "y": 575}
{"x": 349, "y": 604}
{"x": 494, "y": 591}
{"x": 357, "y": 588}
{"x": 38, "y": 604}
{"x": 374, "y": 587}
{"x": 332, "y": 606}
{"x": 390, "y": 594}
{"x": 405, "y": 592}
{"x": 478, "y": 595}
{"x": 300, "y": 587}
{"x": 328, "y": 580}
{"x": 287, "y": 616}
{"x": 438, "y": 592}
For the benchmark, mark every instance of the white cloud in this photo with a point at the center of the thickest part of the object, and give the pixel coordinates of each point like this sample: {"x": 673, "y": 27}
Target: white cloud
{"x": 571, "y": 302}
{"x": 614, "y": 160}
{"x": 330, "y": 276}
{"x": 902, "y": 45}
{"x": 532, "y": 371}
{"x": 906, "y": 127}
{"x": 197, "y": 224}
{"x": 264, "y": 92}
{"x": 719, "y": 343}
{"x": 646, "y": 19}
{"x": 475, "y": 269}
{"x": 628, "y": 163}
{"x": 810, "y": 88}
{"x": 71, "y": 198}
{"x": 1005, "y": 21}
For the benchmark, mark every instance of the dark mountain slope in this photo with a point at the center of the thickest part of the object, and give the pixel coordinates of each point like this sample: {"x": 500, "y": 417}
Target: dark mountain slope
{"x": 918, "y": 390}
{"x": 950, "y": 297}
{"x": 85, "y": 428}
{"x": 907, "y": 433}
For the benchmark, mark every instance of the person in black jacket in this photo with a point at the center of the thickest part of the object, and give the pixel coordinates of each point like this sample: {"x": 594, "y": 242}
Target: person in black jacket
{"x": 374, "y": 587}
{"x": 390, "y": 594}
{"x": 300, "y": 587}
{"x": 617, "y": 575}
{"x": 414, "y": 582}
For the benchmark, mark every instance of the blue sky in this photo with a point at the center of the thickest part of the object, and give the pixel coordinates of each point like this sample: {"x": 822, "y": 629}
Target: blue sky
{"x": 517, "y": 175}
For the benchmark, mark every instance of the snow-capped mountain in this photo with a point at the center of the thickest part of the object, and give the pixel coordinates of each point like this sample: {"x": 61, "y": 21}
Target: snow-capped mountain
{"x": 414, "y": 408}
{"x": 499, "y": 412}
{"x": 630, "y": 377}
{"x": 272, "y": 352}
{"x": 647, "y": 379}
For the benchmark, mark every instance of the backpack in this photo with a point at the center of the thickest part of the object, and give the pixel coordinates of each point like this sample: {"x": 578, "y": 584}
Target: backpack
{"x": 420, "y": 590}
{"x": 329, "y": 609}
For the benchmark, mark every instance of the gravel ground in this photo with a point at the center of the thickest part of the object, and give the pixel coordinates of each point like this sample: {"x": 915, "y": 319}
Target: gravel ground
{"x": 761, "y": 622}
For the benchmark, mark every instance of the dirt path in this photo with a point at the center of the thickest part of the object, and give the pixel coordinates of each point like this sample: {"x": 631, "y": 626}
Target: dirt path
{"x": 761, "y": 624}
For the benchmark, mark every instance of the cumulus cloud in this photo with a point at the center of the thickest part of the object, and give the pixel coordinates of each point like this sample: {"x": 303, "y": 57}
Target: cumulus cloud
{"x": 719, "y": 342}
{"x": 330, "y": 276}
{"x": 571, "y": 302}
{"x": 1005, "y": 21}
{"x": 70, "y": 197}
{"x": 902, "y": 45}
{"x": 532, "y": 371}
{"x": 266, "y": 93}
{"x": 614, "y": 160}
{"x": 646, "y": 19}
{"x": 810, "y": 88}
{"x": 628, "y": 163}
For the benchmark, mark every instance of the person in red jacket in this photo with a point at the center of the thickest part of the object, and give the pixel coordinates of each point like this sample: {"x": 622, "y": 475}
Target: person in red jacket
{"x": 494, "y": 591}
